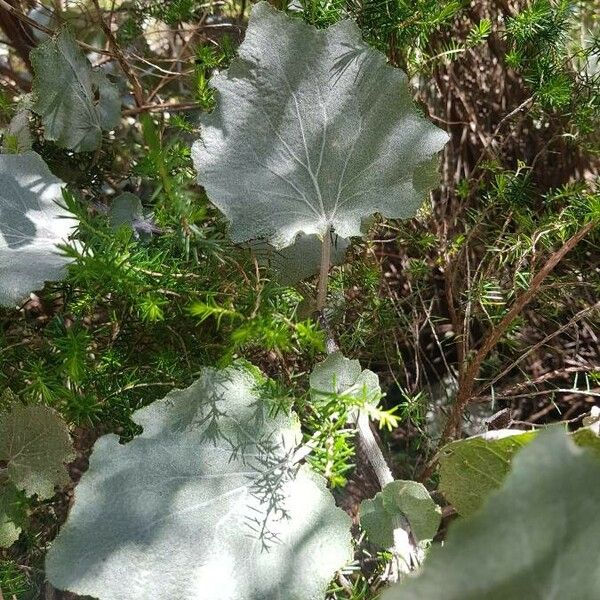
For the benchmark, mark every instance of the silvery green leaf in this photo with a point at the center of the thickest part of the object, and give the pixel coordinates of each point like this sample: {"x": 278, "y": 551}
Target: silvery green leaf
{"x": 76, "y": 103}
{"x": 340, "y": 375}
{"x": 206, "y": 504}
{"x": 17, "y": 136}
{"x": 35, "y": 445}
{"x": 12, "y": 514}
{"x": 376, "y": 521}
{"x": 409, "y": 499}
{"x": 298, "y": 261}
{"x": 125, "y": 209}
{"x": 31, "y": 225}
{"x": 319, "y": 131}
{"x": 534, "y": 538}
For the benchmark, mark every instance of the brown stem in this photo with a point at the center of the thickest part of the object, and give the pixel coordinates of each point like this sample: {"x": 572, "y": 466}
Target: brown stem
{"x": 324, "y": 271}
{"x": 166, "y": 106}
{"x": 138, "y": 92}
{"x": 468, "y": 376}
{"x": 20, "y": 84}
{"x": 19, "y": 33}
{"x": 452, "y": 311}
{"x": 29, "y": 21}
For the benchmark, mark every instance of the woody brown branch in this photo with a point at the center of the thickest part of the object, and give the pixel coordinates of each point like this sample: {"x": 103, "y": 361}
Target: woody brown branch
{"x": 138, "y": 92}
{"x": 470, "y": 372}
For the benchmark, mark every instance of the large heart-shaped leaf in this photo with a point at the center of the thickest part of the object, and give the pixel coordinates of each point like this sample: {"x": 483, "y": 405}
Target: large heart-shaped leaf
{"x": 206, "y": 504}
{"x": 31, "y": 224}
{"x": 35, "y": 445}
{"x": 76, "y": 103}
{"x": 319, "y": 131}
{"x": 534, "y": 539}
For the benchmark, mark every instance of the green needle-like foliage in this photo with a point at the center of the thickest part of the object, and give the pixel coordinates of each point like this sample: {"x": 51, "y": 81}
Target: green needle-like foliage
{"x": 484, "y": 300}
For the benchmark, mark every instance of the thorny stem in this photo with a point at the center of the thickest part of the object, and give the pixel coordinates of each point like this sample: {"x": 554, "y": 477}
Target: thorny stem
{"x": 404, "y": 551}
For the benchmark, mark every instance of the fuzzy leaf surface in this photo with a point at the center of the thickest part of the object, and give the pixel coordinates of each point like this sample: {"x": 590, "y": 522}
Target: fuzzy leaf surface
{"x": 125, "y": 209}
{"x": 412, "y": 499}
{"x": 376, "y": 521}
{"x": 407, "y": 498}
{"x": 31, "y": 224}
{"x": 76, "y": 103}
{"x": 472, "y": 468}
{"x": 320, "y": 132}
{"x": 12, "y": 515}
{"x": 340, "y": 375}
{"x": 35, "y": 443}
{"x": 533, "y": 538}
{"x": 17, "y": 136}
{"x": 203, "y": 505}
{"x": 298, "y": 261}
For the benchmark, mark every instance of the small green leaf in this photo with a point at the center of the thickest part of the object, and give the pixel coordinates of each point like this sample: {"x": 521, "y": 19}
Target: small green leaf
{"x": 17, "y": 136}
{"x": 377, "y": 521}
{"x": 343, "y": 376}
{"x": 35, "y": 443}
{"x": 534, "y": 539}
{"x": 76, "y": 103}
{"x": 12, "y": 514}
{"x": 335, "y": 374}
{"x": 412, "y": 499}
{"x": 470, "y": 469}
{"x": 125, "y": 209}
{"x": 409, "y": 499}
